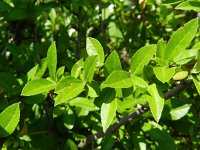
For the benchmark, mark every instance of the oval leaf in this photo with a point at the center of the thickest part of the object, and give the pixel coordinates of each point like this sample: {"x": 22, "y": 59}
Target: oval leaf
{"x": 117, "y": 79}
{"x": 93, "y": 47}
{"x": 108, "y": 112}
{"x": 52, "y": 60}
{"x": 156, "y": 101}
{"x": 179, "y": 112}
{"x": 137, "y": 81}
{"x": 164, "y": 74}
{"x": 189, "y": 5}
{"x": 76, "y": 69}
{"x": 142, "y": 58}
{"x": 181, "y": 39}
{"x": 9, "y": 119}
{"x": 112, "y": 63}
{"x": 82, "y": 102}
{"x": 69, "y": 92}
{"x": 180, "y": 75}
{"x": 89, "y": 68}
{"x": 37, "y": 86}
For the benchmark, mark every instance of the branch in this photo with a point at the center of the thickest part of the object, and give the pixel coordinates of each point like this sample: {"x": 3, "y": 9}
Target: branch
{"x": 173, "y": 92}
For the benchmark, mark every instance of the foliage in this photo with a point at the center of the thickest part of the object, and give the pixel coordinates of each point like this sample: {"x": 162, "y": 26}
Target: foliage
{"x": 80, "y": 72}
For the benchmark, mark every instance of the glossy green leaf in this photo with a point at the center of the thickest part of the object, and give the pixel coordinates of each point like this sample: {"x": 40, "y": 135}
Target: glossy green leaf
{"x": 41, "y": 68}
{"x": 196, "y": 83}
{"x": 164, "y": 74}
{"x": 141, "y": 58}
{"x": 117, "y": 79}
{"x": 52, "y": 60}
{"x": 69, "y": 92}
{"x": 9, "y": 119}
{"x": 37, "y": 86}
{"x": 137, "y": 81}
{"x": 76, "y": 69}
{"x": 189, "y": 5}
{"x": 112, "y": 63}
{"x": 108, "y": 112}
{"x": 31, "y": 73}
{"x": 161, "y": 45}
{"x": 179, "y": 112}
{"x": 180, "y": 75}
{"x": 181, "y": 39}
{"x": 156, "y": 101}
{"x": 93, "y": 47}
{"x": 60, "y": 73}
{"x": 89, "y": 68}
{"x": 82, "y": 102}
{"x": 185, "y": 56}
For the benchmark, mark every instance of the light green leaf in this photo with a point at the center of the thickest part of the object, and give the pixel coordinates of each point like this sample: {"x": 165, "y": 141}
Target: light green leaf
{"x": 179, "y": 112}
{"x": 156, "y": 101}
{"x": 196, "y": 83}
{"x": 31, "y": 73}
{"x": 70, "y": 145}
{"x": 69, "y": 92}
{"x": 93, "y": 47}
{"x": 89, "y": 68}
{"x": 117, "y": 79}
{"x": 9, "y": 119}
{"x": 164, "y": 74}
{"x": 181, "y": 39}
{"x": 37, "y": 86}
{"x": 171, "y": 1}
{"x": 142, "y": 58}
{"x": 185, "y": 56}
{"x": 76, "y": 69}
{"x": 41, "y": 68}
{"x": 112, "y": 63}
{"x": 196, "y": 68}
{"x": 137, "y": 81}
{"x": 180, "y": 75}
{"x": 108, "y": 112}
{"x": 52, "y": 60}
{"x": 93, "y": 89}
{"x": 189, "y": 5}
{"x": 161, "y": 45}
{"x": 83, "y": 103}
{"x": 60, "y": 73}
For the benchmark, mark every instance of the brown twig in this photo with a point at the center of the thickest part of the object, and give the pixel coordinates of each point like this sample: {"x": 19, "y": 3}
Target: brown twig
{"x": 173, "y": 92}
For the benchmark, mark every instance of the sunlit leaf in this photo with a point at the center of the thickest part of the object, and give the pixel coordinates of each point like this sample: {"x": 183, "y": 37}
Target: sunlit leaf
{"x": 164, "y": 74}
{"x": 180, "y": 75}
{"x": 142, "y": 58}
{"x": 76, "y": 69}
{"x": 82, "y": 102}
{"x": 189, "y": 5}
{"x": 196, "y": 83}
{"x": 9, "y": 119}
{"x": 37, "y": 86}
{"x": 156, "y": 101}
{"x": 52, "y": 60}
{"x": 93, "y": 47}
{"x": 179, "y": 112}
{"x": 137, "y": 81}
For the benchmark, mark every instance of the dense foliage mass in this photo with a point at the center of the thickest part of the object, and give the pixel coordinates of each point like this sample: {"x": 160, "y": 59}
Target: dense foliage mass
{"x": 100, "y": 74}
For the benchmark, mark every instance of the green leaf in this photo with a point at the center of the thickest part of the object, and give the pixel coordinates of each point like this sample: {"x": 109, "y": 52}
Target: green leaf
{"x": 93, "y": 47}
{"x": 185, "y": 56}
{"x": 196, "y": 68}
{"x": 137, "y": 81}
{"x": 52, "y": 60}
{"x": 70, "y": 145}
{"x": 9, "y": 119}
{"x": 189, "y": 5}
{"x": 89, "y": 68}
{"x": 141, "y": 58}
{"x": 83, "y": 103}
{"x": 171, "y": 1}
{"x": 60, "y": 73}
{"x": 76, "y": 69}
{"x": 108, "y": 112}
{"x": 112, "y": 63}
{"x": 117, "y": 79}
{"x": 156, "y": 101}
{"x": 181, "y": 39}
{"x": 35, "y": 99}
{"x": 196, "y": 83}
{"x": 180, "y": 75}
{"x": 93, "y": 89}
{"x": 32, "y": 72}
{"x": 69, "y": 118}
{"x": 37, "y": 86}
{"x": 179, "y": 112}
{"x": 41, "y": 68}
{"x": 161, "y": 45}
{"x": 69, "y": 92}
{"x": 164, "y": 74}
